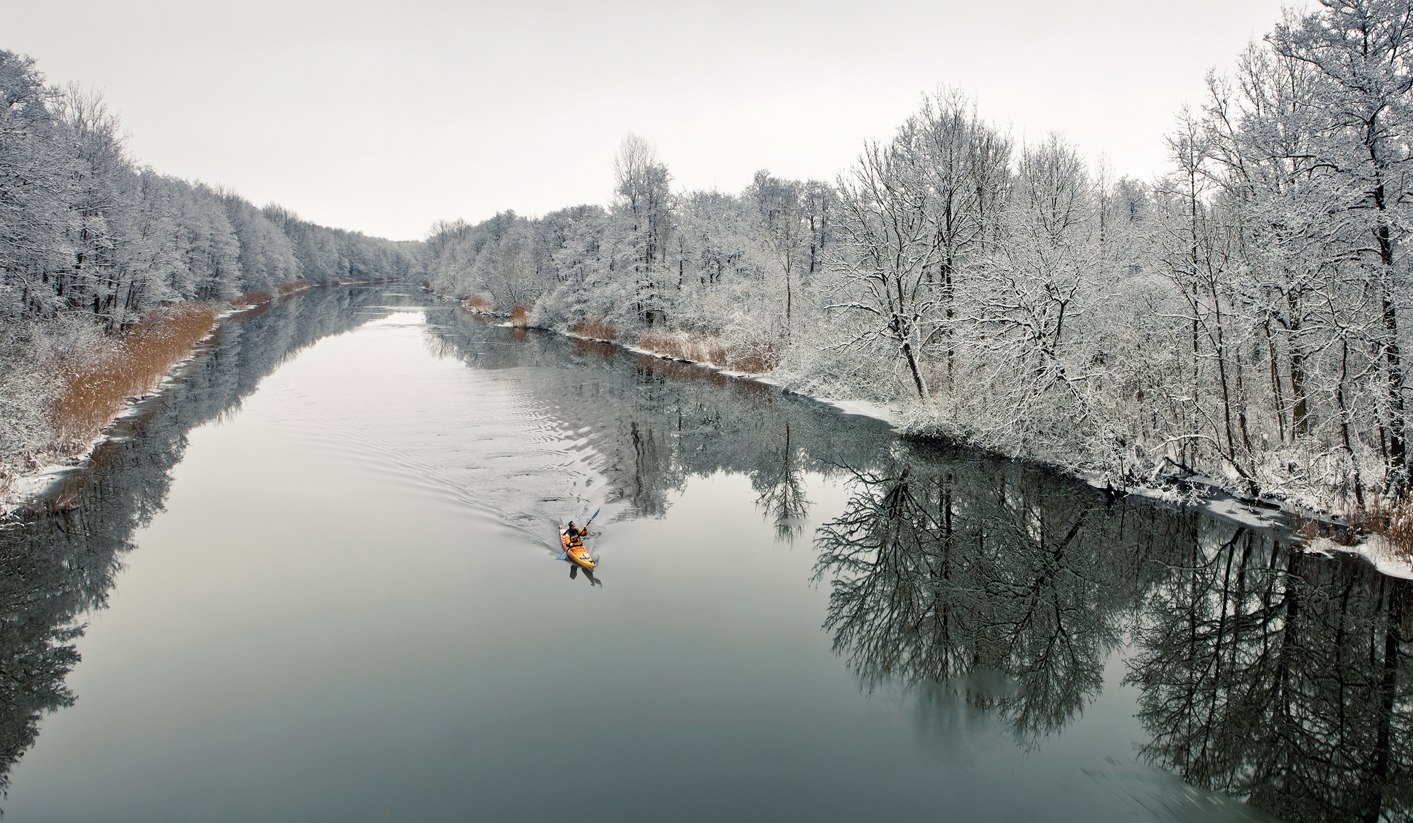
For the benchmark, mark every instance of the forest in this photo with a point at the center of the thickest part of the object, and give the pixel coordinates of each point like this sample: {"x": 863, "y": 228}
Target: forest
{"x": 109, "y": 272}
{"x": 1237, "y": 320}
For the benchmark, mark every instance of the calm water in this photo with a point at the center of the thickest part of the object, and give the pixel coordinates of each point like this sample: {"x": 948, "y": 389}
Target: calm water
{"x": 320, "y": 582}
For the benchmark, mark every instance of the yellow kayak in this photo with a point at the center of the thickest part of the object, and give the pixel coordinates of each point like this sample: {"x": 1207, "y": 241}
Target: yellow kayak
{"x": 575, "y": 551}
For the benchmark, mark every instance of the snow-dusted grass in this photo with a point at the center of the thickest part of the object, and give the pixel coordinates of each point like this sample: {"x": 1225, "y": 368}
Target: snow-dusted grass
{"x": 30, "y": 354}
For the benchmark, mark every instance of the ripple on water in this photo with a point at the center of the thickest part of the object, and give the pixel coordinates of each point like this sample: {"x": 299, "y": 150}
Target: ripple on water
{"x": 441, "y": 432}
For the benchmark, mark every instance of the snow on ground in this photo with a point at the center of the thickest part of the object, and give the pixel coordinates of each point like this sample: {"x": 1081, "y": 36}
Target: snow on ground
{"x": 26, "y": 489}
{"x": 1374, "y": 549}
{"x": 30, "y": 486}
{"x": 1239, "y": 511}
{"x": 863, "y": 408}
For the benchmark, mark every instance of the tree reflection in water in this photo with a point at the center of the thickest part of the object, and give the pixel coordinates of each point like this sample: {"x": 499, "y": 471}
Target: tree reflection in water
{"x": 1263, "y": 673}
{"x": 936, "y": 575}
{"x": 1268, "y": 674}
{"x": 779, "y": 483}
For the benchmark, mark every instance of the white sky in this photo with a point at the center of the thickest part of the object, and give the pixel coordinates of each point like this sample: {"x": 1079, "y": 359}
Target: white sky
{"x": 385, "y": 115}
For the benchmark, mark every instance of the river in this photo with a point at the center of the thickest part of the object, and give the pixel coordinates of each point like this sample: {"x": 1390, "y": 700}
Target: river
{"x": 319, "y": 580}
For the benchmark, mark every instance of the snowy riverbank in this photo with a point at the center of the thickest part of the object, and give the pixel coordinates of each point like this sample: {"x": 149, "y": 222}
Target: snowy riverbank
{"x": 1209, "y": 494}
{"x": 40, "y": 489}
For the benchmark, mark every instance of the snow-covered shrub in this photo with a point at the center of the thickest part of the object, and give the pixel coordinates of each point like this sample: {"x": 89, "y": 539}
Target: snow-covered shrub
{"x": 35, "y": 360}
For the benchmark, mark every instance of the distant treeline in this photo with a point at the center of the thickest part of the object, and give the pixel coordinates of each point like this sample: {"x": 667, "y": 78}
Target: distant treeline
{"x": 1241, "y": 317}
{"x": 83, "y": 229}
{"x": 91, "y": 244}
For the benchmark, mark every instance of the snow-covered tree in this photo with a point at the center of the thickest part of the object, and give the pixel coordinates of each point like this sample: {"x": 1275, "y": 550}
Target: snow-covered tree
{"x": 643, "y": 223}
{"x": 1360, "y": 51}
{"x": 33, "y": 192}
{"x": 887, "y": 252}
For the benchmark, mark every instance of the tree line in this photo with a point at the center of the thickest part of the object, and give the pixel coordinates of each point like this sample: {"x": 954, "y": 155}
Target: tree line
{"x": 92, "y": 244}
{"x": 1238, "y": 318}
{"x": 84, "y": 229}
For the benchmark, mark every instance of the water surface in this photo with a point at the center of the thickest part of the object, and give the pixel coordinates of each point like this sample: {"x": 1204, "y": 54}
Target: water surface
{"x": 321, "y": 583}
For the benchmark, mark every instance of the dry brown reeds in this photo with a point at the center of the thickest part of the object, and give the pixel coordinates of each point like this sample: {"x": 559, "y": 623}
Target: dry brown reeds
{"x": 96, "y": 389}
{"x": 1308, "y": 529}
{"x": 1394, "y": 522}
{"x": 595, "y": 330}
{"x": 664, "y": 344}
{"x": 1400, "y": 529}
{"x": 705, "y": 350}
{"x": 520, "y": 317}
{"x": 755, "y": 359}
{"x": 714, "y": 352}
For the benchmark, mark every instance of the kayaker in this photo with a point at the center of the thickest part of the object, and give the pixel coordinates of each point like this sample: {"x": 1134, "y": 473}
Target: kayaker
{"x": 572, "y": 531}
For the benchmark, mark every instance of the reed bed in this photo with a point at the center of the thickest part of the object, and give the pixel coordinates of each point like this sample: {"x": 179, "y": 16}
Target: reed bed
{"x": 707, "y": 350}
{"x": 753, "y": 358}
{"x": 1394, "y": 522}
{"x": 756, "y": 358}
{"x": 96, "y": 388}
{"x": 595, "y": 329}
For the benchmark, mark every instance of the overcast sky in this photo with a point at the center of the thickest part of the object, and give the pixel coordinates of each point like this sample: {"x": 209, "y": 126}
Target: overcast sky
{"x": 384, "y": 117}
